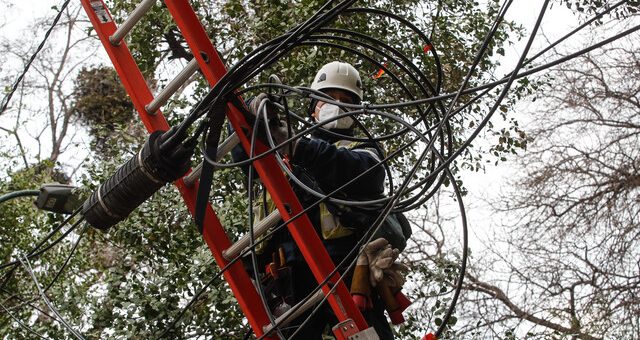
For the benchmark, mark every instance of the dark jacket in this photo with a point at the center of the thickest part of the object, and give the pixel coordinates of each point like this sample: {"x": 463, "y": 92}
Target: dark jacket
{"x": 324, "y": 166}
{"x": 332, "y": 166}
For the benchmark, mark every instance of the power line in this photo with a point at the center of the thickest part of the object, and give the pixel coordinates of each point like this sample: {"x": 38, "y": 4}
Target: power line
{"x": 42, "y": 292}
{"x": 7, "y": 98}
{"x": 24, "y": 260}
{"x": 22, "y": 324}
{"x": 39, "y": 249}
{"x": 25, "y": 302}
{"x": 291, "y": 89}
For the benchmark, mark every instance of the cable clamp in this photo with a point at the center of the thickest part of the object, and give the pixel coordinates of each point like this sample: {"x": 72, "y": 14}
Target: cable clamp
{"x": 145, "y": 171}
{"x": 365, "y": 106}
{"x": 104, "y": 206}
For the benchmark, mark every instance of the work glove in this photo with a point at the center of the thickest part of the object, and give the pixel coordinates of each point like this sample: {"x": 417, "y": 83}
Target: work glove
{"x": 375, "y": 257}
{"x": 390, "y": 290}
{"x": 380, "y": 256}
{"x": 394, "y": 276}
{"x": 278, "y": 128}
{"x": 255, "y": 103}
{"x": 360, "y": 284}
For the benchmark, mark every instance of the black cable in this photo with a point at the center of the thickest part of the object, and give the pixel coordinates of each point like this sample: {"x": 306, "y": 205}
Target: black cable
{"x": 504, "y": 80}
{"x": 452, "y": 179}
{"x": 64, "y": 264}
{"x": 248, "y": 334}
{"x": 190, "y": 303}
{"x": 44, "y": 291}
{"x": 56, "y": 241}
{"x": 254, "y": 256}
{"x": 49, "y": 246}
{"x": 66, "y": 261}
{"x": 20, "y": 323}
{"x": 28, "y": 303}
{"x": 435, "y": 99}
{"x": 36, "y": 251}
{"x": 19, "y": 193}
{"x": 7, "y": 98}
{"x": 576, "y": 30}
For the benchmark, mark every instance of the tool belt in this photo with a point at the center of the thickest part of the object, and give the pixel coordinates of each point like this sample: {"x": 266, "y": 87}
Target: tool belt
{"x": 277, "y": 282}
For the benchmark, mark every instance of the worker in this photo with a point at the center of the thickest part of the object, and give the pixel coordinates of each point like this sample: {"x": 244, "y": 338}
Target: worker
{"x": 325, "y": 162}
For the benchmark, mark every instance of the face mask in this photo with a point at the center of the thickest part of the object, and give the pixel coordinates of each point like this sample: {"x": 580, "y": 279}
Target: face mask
{"x": 328, "y": 111}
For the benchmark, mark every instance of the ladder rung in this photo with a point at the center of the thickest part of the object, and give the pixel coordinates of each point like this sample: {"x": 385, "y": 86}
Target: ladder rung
{"x": 223, "y": 149}
{"x": 172, "y": 87}
{"x": 295, "y": 312}
{"x": 131, "y": 21}
{"x": 260, "y": 228}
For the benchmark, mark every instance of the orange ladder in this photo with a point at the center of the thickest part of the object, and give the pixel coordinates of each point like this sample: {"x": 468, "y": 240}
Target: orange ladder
{"x": 209, "y": 63}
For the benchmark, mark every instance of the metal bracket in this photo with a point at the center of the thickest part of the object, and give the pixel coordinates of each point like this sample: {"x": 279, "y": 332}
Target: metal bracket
{"x": 367, "y": 334}
{"x": 347, "y": 330}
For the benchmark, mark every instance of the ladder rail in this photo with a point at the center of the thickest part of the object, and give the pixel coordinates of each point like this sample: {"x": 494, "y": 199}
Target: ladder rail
{"x": 213, "y": 233}
{"x": 163, "y": 96}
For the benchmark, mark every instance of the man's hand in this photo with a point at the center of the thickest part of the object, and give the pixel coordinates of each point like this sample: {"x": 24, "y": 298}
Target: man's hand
{"x": 277, "y": 128}
{"x": 256, "y": 102}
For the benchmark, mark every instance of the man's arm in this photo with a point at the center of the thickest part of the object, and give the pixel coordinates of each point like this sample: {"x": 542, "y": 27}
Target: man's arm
{"x": 334, "y": 166}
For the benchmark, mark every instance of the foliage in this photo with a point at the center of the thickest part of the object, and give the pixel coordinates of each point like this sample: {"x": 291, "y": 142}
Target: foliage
{"x": 133, "y": 281}
{"x": 21, "y": 226}
{"x": 590, "y": 7}
{"x": 100, "y": 99}
{"x": 101, "y": 104}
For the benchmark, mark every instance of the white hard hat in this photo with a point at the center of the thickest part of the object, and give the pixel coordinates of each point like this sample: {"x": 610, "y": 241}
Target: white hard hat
{"x": 338, "y": 75}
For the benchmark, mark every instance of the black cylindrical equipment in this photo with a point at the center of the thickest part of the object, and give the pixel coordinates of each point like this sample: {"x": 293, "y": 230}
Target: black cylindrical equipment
{"x": 135, "y": 181}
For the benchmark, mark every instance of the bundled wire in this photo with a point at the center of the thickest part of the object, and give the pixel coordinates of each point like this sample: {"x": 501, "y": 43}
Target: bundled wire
{"x": 22, "y": 324}
{"x": 406, "y": 197}
{"x": 27, "y": 265}
{"x": 40, "y": 248}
